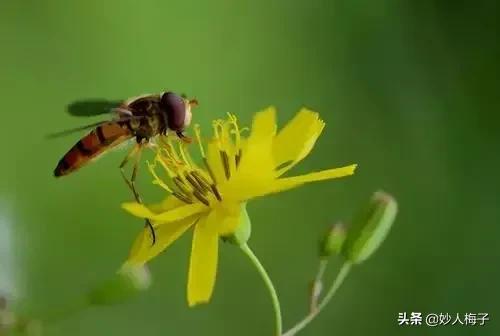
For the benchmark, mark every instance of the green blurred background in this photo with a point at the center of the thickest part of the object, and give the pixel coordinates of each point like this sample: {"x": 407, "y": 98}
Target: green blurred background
{"x": 408, "y": 89}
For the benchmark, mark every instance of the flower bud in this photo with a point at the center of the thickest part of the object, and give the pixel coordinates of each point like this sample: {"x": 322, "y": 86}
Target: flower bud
{"x": 331, "y": 243}
{"x": 127, "y": 282}
{"x": 370, "y": 227}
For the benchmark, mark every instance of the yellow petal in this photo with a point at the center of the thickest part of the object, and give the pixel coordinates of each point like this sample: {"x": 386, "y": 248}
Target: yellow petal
{"x": 168, "y": 203}
{"x": 137, "y": 209}
{"x": 143, "y": 211}
{"x": 283, "y": 184}
{"x": 143, "y": 250}
{"x": 264, "y": 124}
{"x": 296, "y": 140}
{"x": 172, "y": 215}
{"x": 256, "y": 170}
{"x": 203, "y": 262}
{"x": 179, "y": 213}
{"x": 245, "y": 187}
{"x": 257, "y": 162}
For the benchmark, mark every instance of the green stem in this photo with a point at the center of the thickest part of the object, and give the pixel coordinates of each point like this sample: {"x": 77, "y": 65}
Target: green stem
{"x": 344, "y": 271}
{"x": 317, "y": 285}
{"x": 269, "y": 284}
{"x": 66, "y": 311}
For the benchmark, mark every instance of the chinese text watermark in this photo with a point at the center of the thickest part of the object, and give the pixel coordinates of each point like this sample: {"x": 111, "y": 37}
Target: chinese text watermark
{"x": 442, "y": 319}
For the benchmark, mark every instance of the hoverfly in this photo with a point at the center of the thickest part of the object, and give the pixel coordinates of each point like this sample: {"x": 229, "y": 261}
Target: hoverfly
{"x": 141, "y": 118}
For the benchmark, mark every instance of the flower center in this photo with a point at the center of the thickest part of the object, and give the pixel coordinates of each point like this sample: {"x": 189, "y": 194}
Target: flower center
{"x": 185, "y": 179}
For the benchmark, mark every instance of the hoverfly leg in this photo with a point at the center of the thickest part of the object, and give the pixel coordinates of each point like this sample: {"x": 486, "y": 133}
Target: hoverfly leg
{"x": 128, "y": 181}
{"x": 135, "y": 153}
{"x": 184, "y": 137}
{"x": 135, "y": 168}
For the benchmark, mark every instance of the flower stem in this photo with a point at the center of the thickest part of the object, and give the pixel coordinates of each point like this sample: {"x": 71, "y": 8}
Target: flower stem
{"x": 317, "y": 285}
{"x": 66, "y": 311}
{"x": 344, "y": 271}
{"x": 272, "y": 291}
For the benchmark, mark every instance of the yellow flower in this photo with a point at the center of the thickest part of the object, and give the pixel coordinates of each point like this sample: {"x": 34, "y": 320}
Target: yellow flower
{"x": 210, "y": 198}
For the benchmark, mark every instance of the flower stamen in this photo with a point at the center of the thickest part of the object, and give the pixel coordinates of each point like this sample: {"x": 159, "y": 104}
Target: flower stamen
{"x": 182, "y": 198}
{"x": 170, "y": 148}
{"x": 215, "y": 191}
{"x": 233, "y": 121}
{"x": 183, "y": 155}
{"x": 182, "y": 190}
{"x": 166, "y": 164}
{"x": 237, "y": 158}
{"x": 225, "y": 163}
{"x": 197, "y": 132}
{"x": 210, "y": 171}
{"x": 202, "y": 181}
{"x": 196, "y": 186}
{"x": 156, "y": 179}
{"x": 216, "y": 125}
{"x": 201, "y": 198}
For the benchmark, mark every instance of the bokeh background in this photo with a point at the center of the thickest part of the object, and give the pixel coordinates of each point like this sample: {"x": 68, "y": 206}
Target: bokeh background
{"x": 408, "y": 89}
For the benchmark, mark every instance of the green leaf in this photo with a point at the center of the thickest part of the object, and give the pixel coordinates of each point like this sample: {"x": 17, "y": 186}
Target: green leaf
{"x": 370, "y": 227}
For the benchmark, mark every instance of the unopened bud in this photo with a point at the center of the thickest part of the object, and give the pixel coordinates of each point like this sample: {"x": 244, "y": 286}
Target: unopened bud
{"x": 331, "y": 243}
{"x": 129, "y": 281}
{"x": 370, "y": 227}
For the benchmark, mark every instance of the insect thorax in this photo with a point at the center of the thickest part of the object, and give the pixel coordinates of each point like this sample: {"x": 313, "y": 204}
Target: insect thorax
{"x": 153, "y": 120}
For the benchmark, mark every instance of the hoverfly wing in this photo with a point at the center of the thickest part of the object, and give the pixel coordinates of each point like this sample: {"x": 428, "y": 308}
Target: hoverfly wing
{"x": 76, "y": 129}
{"x": 92, "y": 107}
{"x": 91, "y": 126}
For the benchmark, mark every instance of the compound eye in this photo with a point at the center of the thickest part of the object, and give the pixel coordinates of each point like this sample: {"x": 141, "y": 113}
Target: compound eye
{"x": 175, "y": 109}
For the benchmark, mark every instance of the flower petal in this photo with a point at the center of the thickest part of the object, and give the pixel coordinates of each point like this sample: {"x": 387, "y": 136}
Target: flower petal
{"x": 283, "y": 184}
{"x": 179, "y": 213}
{"x": 149, "y": 211}
{"x": 244, "y": 187}
{"x": 263, "y": 125}
{"x": 138, "y": 209}
{"x": 168, "y": 203}
{"x": 143, "y": 250}
{"x": 257, "y": 161}
{"x": 296, "y": 140}
{"x": 203, "y": 262}
{"x": 172, "y": 215}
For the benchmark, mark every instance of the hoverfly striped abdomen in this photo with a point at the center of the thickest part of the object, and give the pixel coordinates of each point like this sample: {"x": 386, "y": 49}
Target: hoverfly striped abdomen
{"x": 97, "y": 141}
